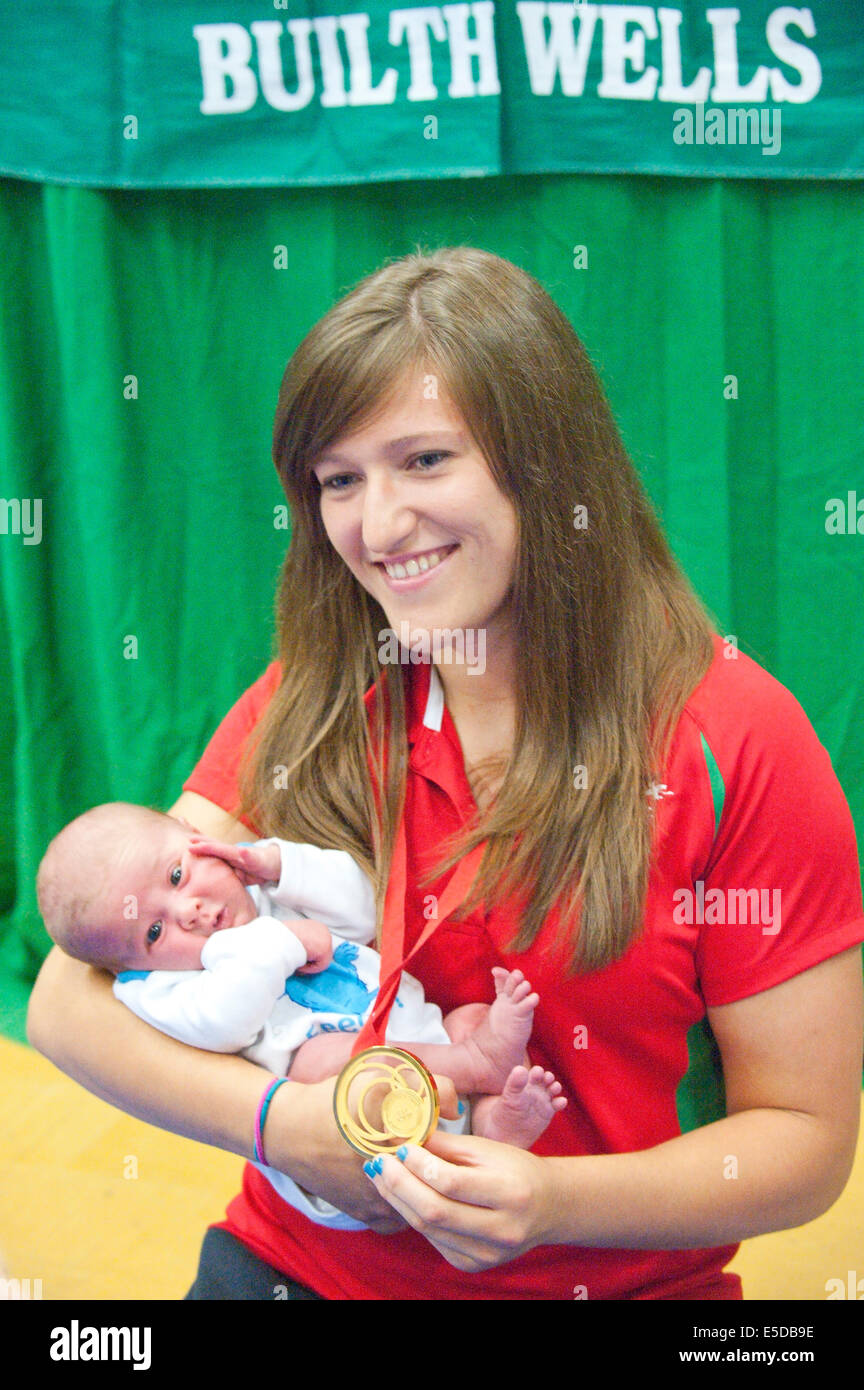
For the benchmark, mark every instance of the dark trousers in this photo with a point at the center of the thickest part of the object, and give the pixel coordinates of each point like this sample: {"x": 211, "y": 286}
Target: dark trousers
{"x": 227, "y": 1270}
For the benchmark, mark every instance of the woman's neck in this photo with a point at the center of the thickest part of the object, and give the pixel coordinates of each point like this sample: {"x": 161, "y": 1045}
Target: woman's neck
{"x": 482, "y": 705}
{"x": 481, "y": 690}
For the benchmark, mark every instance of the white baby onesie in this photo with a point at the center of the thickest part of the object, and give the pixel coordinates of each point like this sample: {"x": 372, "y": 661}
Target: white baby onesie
{"x": 249, "y": 999}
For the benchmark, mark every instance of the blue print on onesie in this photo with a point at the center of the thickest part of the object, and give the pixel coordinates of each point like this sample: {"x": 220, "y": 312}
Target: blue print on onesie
{"x": 338, "y": 989}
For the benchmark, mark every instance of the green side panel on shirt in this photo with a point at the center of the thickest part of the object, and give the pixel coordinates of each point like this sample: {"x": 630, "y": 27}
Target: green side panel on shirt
{"x": 701, "y": 1094}
{"x": 718, "y": 789}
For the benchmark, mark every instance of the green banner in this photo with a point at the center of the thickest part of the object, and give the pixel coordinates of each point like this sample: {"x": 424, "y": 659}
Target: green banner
{"x": 196, "y": 93}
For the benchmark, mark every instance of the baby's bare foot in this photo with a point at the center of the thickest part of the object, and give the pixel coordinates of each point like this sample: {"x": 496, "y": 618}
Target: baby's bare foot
{"x": 523, "y": 1110}
{"x": 498, "y": 1044}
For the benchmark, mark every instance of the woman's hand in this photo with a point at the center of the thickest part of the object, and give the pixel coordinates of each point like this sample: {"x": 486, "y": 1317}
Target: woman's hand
{"x": 480, "y": 1203}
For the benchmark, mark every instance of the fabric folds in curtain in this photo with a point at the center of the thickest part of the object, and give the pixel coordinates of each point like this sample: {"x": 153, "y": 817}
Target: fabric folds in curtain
{"x": 142, "y": 341}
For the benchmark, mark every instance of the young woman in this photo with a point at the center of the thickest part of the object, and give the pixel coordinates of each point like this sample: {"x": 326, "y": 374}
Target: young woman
{"x": 667, "y": 852}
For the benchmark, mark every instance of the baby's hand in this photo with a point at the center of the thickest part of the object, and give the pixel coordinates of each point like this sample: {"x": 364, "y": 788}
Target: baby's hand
{"x": 251, "y": 863}
{"x": 318, "y": 943}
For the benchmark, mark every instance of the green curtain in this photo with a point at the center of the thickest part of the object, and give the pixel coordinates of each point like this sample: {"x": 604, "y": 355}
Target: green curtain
{"x": 158, "y": 507}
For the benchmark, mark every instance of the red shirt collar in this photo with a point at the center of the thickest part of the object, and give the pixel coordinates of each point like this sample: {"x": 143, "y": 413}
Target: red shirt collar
{"x": 436, "y": 752}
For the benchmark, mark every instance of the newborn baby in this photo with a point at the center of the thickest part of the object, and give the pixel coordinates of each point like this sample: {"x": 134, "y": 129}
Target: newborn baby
{"x": 262, "y": 949}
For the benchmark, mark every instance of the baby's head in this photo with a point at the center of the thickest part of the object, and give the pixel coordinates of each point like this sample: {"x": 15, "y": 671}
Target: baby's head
{"x": 120, "y": 888}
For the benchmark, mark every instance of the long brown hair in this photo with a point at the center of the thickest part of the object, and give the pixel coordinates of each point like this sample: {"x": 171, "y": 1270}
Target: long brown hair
{"x": 610, "y": 637}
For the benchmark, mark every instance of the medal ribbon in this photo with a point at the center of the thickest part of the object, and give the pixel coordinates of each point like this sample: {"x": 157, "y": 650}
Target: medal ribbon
{"x": 393, "y": 932}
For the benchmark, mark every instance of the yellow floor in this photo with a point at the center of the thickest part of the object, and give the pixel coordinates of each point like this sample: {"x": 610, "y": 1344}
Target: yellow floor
{"x": 97, "y": 1205}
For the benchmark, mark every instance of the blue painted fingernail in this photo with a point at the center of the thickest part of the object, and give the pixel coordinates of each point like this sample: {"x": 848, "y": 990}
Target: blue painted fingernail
{"x": 369, "y": 1168}
{"x": 461, "y": 1108}
{"x": 402, "y": 1153}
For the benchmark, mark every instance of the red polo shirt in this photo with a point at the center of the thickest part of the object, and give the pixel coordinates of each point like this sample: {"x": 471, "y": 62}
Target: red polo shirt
{"x": 750, "y": 809}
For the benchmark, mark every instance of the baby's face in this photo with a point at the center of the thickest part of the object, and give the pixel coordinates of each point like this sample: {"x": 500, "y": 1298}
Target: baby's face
{"x": 180, "y": 899}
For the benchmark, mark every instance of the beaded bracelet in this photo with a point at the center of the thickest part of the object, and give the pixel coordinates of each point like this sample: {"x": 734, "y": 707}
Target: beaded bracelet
{"x": 263, "y": 1107}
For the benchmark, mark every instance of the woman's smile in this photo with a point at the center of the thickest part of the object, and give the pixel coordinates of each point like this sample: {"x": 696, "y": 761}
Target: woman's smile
{"x": 418, "y": 568}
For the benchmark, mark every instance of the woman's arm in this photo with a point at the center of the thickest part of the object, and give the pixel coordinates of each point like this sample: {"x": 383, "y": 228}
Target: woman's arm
{"x": 209, "y": 818}
{"x": 72, "y": 1012}
{"x": 210, "y": 1097}
{"x": 792, "y": 1065}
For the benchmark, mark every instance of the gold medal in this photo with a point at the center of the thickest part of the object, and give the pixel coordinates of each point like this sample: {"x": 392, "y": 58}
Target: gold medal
{"x": 384, "y": 1098}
